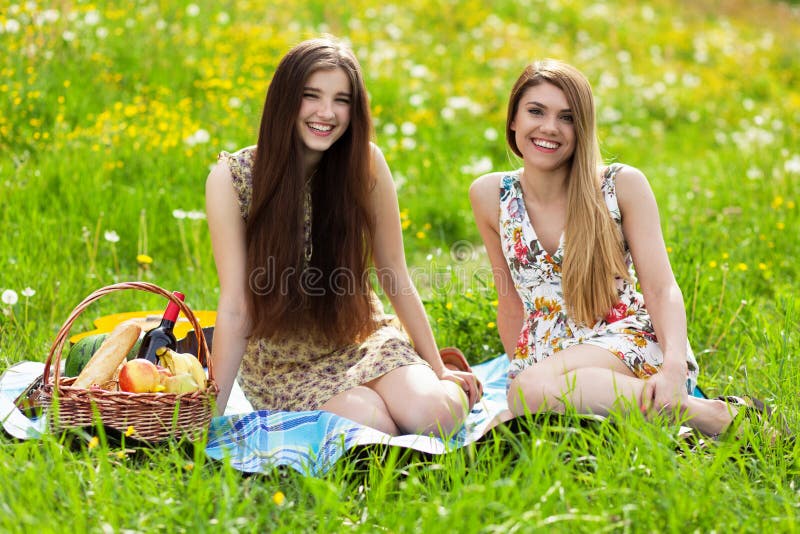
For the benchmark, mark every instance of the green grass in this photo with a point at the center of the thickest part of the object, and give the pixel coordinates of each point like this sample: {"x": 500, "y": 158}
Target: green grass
{"x": 97, "y": 105}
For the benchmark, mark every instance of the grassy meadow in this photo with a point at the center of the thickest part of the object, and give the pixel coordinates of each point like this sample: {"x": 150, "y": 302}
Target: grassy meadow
{"x": 111, "y": 114}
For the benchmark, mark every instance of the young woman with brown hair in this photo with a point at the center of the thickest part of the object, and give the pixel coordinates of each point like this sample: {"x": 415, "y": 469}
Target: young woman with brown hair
{"x": 563, "y": 234}
{"x": 297, "y": 222}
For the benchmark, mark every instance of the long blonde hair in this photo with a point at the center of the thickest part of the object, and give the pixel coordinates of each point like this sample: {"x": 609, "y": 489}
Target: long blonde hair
{"x": 593, "y": 257}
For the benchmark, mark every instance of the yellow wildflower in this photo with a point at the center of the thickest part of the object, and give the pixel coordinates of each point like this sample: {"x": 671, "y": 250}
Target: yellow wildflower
{"x": 94, "y": 442}
{"x": 449, "y": 305}
{"x": 712, "y": 264}
{"x": 490, "y": 324}
{"x": 741, "y": 266}
{"x": 762, "y": 266}
{"x": 144, "y": 259}
{"x": 279, "y": 498}
{"x": 420, "y": 235}
{"x": 130, "y": 431}
{"x": 780, "y": 225}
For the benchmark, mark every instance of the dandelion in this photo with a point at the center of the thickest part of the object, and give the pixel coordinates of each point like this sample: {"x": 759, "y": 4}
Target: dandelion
{"x": 490, "y": 325}
{"x": 741, "y": 266}
{"x": 94, "y": 442}
{"x": 121, "y": 454}
{"x": 199, "y": 137}
{"x": 9, "y": 297}
{"x": 408, "y": 128}
{"x": 712, "y": 264}
{"x": 762, "y": 266}
{"x": 144, "y": 260}
{"x": 179, "y": 214}
{"x": 408, "y": 143}
{"x": 130, "y": 431}
{"x": 416, "y": 100}
{"x": 420, "y": 235}
{"x": 278, "y": 498}
{"x": 112, "y": 237}
{"x": 12, "y": 26}
{"x": 490, "y": 134}
{"x": 223, "y": 18}
{"x": 780, "y": 225}
{"x": 92, "y": 18}
{"x": 449, "y": 305}
{"x": 192, "y": 10}
{"x": 792, "y": 166}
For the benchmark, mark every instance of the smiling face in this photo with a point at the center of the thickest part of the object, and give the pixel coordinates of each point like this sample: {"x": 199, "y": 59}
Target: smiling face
{"x": 543, "y": 126}
{"x": 324, "y": 112}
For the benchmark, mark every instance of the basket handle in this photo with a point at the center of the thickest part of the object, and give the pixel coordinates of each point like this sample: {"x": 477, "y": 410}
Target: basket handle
{"x": 54, "y": 356}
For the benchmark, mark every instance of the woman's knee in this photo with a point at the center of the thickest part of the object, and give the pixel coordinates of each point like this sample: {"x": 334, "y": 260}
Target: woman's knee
{"x": 532, "y": 391}
{"x": 437, "y": 411}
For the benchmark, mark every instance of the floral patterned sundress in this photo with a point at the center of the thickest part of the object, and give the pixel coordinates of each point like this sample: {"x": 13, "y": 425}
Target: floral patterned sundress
{"x": 626, "y": 331}
{"x": 302, "y": 374}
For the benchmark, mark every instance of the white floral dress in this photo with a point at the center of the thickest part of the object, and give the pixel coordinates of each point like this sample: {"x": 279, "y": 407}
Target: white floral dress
{"x": 626, "y": 331}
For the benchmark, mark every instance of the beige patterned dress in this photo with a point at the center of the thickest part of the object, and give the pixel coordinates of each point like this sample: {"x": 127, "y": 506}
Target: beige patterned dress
{"x": 300, "y": 374}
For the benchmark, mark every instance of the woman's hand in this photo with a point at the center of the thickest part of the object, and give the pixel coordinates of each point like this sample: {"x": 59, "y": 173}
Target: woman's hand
{"x": 466, "y": 381}
{"x": 666, "y": 390}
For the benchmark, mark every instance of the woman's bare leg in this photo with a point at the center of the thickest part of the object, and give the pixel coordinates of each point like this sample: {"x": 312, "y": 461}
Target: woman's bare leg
{"x": 420, "y": 403}
{"x": 595, "y": 381}
{"x": 362, "y": 405}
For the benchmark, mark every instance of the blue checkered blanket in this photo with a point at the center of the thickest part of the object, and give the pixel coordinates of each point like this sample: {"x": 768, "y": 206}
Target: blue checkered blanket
{"x": 258, "y": 441}
{"x": 311, "y": 442}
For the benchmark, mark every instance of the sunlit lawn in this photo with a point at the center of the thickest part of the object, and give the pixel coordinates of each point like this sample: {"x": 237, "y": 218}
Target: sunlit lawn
{"x": 111, "y": 114}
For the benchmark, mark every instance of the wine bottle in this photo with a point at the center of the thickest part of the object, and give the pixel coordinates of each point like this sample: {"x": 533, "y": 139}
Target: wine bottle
{"x": 161, "y": 336}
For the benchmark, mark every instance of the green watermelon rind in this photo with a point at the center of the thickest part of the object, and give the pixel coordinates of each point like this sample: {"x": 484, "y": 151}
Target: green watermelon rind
{"x": 81, "y": 352}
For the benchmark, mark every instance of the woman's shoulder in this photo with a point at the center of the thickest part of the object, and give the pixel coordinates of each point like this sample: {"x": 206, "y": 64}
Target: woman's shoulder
{"x": 242, "y": 158}
{"x": 625, "y": 183}
{"x": 236, "y": 168}
{"x": 491, "y": 182}
{"x": 621, "y": 172}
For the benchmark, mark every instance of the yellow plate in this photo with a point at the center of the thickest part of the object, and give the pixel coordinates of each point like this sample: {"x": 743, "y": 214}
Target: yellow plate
{"x": 147, "y": 319}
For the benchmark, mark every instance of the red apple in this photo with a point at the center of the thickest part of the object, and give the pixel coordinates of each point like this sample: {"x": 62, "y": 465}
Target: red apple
{"x": 138, "y": 376}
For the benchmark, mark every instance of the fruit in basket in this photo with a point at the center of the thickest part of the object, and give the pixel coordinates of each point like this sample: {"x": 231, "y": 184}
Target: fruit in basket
{"x": 82, "y": 351}
{"x": 182, "y": 362}
{"x": 139, "y": 376}
{"x": 101, "y": 366}
{"x": 182, "y": 383}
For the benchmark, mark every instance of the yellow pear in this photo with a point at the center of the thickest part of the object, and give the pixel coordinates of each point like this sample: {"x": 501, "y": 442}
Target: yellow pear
{"x": 180, "y": 383}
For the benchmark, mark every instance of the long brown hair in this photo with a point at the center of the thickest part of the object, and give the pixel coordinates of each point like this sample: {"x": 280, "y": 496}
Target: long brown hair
{"x": 327, "y": 297}
{"x": 593, "y": 251}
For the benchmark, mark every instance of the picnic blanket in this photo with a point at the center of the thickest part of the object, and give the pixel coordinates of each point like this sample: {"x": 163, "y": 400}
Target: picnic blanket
{"x": 258, "y": 441}
{"x": 310, "y": 442}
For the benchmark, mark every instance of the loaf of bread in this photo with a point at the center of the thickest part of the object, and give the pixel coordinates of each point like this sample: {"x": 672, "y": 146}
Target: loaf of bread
{"x": 100, "y": 368}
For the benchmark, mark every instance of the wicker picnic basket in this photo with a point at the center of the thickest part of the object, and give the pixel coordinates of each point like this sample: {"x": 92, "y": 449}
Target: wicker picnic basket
{"x": 154, "y": 417}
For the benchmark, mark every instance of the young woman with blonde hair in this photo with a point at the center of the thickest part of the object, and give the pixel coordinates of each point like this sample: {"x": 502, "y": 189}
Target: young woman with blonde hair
{"x": 296, "y": 224}
{"x": 563, "y": 235}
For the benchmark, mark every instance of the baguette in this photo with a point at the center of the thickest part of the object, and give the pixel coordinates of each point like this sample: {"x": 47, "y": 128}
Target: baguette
{"x": 101, "y": 366}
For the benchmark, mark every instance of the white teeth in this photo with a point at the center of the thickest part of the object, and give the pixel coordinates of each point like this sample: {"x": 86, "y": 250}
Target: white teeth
{"x": 320, "y": 127}
{"x": 545, "y": 144}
